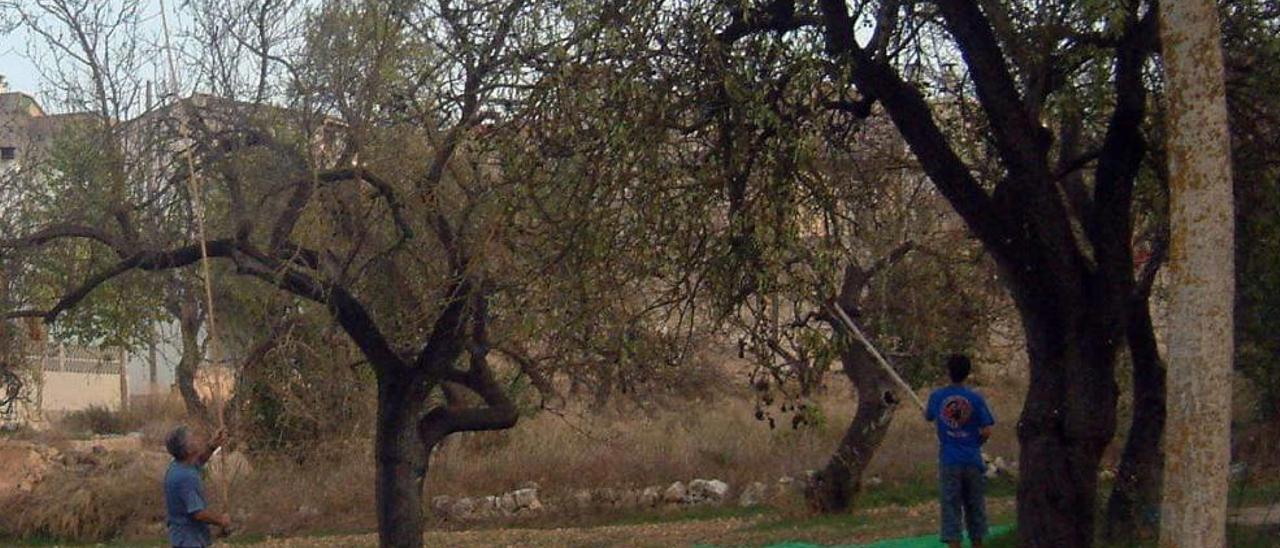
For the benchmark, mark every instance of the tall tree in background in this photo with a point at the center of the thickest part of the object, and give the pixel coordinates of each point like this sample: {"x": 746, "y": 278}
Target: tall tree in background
{"x": 1203, "y": 279}
{"x": 1252, "y": 50}
{"x": 768, "y": 211}
{"x": 1062, "y": 242}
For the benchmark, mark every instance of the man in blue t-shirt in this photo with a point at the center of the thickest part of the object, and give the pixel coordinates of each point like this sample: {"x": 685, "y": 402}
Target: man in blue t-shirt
{"x": 964, "y": 424}
{"x": 188, "y": 515}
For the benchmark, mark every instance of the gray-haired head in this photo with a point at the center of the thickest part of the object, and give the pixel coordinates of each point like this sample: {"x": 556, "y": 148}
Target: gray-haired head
{"x": 176, "y": 442}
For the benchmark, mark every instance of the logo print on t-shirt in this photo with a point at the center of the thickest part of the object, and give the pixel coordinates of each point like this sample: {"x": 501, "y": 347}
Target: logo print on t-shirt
{"x": 956, "y": 411}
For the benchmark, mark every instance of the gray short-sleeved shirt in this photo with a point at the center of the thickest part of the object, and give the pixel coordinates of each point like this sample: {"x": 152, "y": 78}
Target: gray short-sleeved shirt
{"x": 183, "y": 497}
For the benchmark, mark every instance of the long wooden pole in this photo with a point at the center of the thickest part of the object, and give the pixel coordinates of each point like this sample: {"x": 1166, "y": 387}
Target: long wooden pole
{"x": 875, "y": 353}
{"x": 197, "y": 210}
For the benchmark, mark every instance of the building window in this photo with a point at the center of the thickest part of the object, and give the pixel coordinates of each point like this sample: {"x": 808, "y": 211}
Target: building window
{"x": 8, "y": 153}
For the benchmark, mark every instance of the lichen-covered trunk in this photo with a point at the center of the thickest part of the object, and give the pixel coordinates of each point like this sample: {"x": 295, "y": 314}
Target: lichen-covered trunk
{"x": 1202, "y": 278}
{"x": 837, "y": 485}
{"x": 1133, "y": 510}
{"x": 1067, "y": 421}
{"x": 401, "y": 460}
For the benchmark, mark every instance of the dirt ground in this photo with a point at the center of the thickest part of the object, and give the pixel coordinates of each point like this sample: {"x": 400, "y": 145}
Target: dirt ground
{"x": 861, "y": 527}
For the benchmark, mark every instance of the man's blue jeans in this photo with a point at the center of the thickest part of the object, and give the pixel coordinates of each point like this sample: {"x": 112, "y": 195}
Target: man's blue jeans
{"x": 963, "y": 493}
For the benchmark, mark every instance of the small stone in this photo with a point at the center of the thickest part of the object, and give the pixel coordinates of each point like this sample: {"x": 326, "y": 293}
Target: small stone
{"x": 650, "y": 497}
{"x": 707, "y": 491}
{"x": 526, "y": 497}
{"x": 489, "y": 506}
{"x": 698, "y": 491}
{"x": 718, "y": 490}
{"x": 441, "y": 505}
{"x": 753, "y": 495}
{"x": 507, "y": 504}
{"x": 873, "y": 481}
{"x": 308, "y": 511}
{"x": 675, "y": 493}
{"x": 464, "y": 508}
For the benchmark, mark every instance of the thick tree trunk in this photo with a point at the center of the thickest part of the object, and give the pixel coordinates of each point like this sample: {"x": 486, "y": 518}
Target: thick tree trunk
{"x": 838, "y": 484}
{"x": 401, "y": 459}
{"x": 185, "y": 375}
{"x": 1067, "y": 421}
{"x": 1134, "y": 505}
{"x": 1202, "y": 274}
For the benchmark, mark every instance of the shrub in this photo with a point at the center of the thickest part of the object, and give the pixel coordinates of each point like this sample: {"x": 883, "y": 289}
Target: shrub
{"x": 95, "y": 419}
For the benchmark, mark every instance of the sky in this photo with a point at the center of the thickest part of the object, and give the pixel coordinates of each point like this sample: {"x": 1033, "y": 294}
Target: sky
{"x": 18, "y": 71}
{"x": 22, "y": 73}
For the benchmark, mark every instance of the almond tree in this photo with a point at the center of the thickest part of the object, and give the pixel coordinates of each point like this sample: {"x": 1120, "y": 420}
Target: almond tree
{"x": 1062, "y": 244}
{"x": 380, "y": 191}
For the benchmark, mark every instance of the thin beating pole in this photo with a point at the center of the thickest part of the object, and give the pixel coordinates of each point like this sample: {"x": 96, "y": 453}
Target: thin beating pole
{"x": 871, "y": 349}
{"x": 197, "y": 211}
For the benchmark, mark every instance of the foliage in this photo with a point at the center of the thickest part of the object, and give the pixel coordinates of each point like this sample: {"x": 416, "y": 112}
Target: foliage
{"x": 78, "y": 168}
{"x": 1252, "y": 59}
{"x": 307, "y": 390}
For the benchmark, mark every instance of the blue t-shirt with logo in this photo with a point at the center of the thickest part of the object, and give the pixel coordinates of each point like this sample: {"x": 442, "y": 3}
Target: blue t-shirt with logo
{"x": 183, "y": 497}
{"x": 959, "y": 413}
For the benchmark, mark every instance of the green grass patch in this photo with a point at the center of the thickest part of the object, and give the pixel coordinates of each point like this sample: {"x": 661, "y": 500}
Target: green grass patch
{"x": 1255, "y": 493}
{"x": 1240, "y": 536}
{"x": 920, "y": 490}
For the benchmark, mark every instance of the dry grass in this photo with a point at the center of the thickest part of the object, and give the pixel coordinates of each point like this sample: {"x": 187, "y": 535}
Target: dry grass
{"x": 333, "y": 490}
{"x": 718, "y": 439}
{"x": 116, "y": 497}
{"x": 154, "y": 417}
{"x": 282, "y": 497}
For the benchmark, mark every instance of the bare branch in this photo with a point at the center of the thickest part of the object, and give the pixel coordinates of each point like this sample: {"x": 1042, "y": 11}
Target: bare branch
{"x": 61, "y": 232}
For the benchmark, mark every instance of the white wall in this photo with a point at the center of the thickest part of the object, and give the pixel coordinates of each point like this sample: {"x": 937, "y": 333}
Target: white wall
{"x": 75, "y": 391}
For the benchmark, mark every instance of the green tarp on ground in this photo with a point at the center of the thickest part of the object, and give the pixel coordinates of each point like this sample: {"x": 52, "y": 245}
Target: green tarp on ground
{"x": 930, "y": 541}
